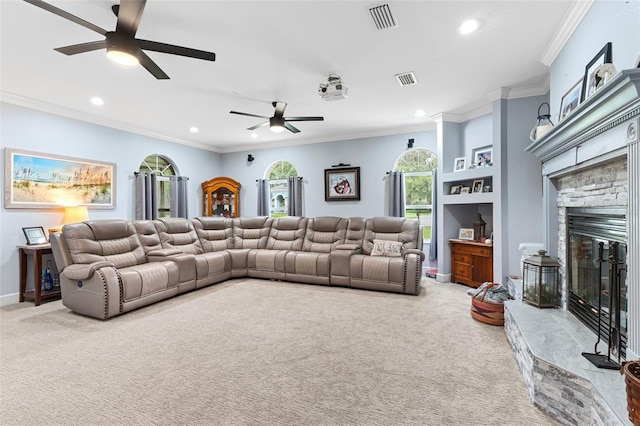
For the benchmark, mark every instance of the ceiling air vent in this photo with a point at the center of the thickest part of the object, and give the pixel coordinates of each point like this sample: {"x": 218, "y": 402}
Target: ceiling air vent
{"x": 382, "y": 17}
{"x": 406, "y": 79}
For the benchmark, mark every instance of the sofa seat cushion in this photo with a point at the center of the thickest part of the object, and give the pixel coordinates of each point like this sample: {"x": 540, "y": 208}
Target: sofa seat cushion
{"x": 149, "y": 278}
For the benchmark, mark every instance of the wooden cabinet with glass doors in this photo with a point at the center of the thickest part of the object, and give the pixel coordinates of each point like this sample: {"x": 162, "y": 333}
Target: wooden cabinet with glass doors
{"x": 221, "y": 197}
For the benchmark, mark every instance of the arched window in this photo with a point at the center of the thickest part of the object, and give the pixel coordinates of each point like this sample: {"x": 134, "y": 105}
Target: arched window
{"x": 418, "y": 165}
{"x": 277, "y": 175}
{"x": 164, "y": 169}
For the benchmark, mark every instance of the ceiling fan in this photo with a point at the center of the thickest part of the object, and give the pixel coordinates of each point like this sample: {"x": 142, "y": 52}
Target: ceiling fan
{"x": 278, "y": 122}
{"x": 121, "y": 44}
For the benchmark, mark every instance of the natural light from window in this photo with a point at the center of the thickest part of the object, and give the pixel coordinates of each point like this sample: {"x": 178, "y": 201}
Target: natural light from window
{"x": 277, "y": 175}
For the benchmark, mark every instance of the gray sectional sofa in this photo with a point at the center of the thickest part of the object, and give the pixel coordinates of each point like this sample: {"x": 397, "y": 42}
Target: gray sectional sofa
{"x": 109, "y": 267}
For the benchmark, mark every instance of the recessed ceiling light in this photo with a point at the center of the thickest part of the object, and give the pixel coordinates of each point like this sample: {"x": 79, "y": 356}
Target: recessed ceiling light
{"x": 194, "y": 129}
{"x": 468, "y": 26}
{"x": 97, "y": 101}
{"x": 420, "y": 113}
{"x": 254, "y": 135}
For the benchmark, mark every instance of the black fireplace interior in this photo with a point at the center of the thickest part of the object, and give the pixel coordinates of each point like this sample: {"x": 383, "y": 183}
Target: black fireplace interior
{"x": 596, "y": 273}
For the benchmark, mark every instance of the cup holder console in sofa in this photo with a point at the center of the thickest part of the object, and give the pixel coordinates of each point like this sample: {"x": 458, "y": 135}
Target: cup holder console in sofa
{"x": 108, "y": 267}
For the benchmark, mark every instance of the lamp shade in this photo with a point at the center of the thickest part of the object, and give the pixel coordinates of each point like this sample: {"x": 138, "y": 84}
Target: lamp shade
{"x": 75, "y": 214}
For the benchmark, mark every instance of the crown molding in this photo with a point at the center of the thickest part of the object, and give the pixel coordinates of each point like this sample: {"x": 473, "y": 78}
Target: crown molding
{"x": 22, "y": 101}
{"x": 570, "y": 22}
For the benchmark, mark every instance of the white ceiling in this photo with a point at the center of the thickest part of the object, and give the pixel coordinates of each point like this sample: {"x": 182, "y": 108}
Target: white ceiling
{"x": 281, "y": 50}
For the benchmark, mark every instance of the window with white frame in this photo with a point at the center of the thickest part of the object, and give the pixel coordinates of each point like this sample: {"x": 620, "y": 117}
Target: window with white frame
{"x": 417, "y": 165}
{"x": 277, "y": 175}
{"x": 164, "y": 169}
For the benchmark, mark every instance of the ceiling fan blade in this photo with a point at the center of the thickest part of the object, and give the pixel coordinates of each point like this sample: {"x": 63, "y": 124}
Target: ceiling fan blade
{"x": 66, "y": 15}
{"x": 82, "y": 47}
{"x": 257, "y": 126}
{"x": 304, "y": 118}
{"x": 177, "y": 50}
{"x": 247, "y": 114}
{"x": 280, "y": 106}
{"x": 151, "y": 66}
{"x": 129, "y": 15}
{"x": 291, "y": 128}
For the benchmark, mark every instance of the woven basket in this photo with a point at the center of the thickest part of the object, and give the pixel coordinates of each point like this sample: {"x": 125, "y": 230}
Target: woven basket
{"x": 631, "y": 371}
{"x": 485, "y": 311}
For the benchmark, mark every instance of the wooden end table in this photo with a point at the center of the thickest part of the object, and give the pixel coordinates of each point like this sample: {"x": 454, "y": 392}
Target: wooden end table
{"x": 37, "y": 295}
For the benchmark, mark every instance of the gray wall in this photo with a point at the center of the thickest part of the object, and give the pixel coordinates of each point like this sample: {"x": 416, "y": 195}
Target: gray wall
{"x": 522, "y": 188}
{"x": 32, "y": 130}
{"x": 616, "y": 21}
{"x": 375, "y": 156}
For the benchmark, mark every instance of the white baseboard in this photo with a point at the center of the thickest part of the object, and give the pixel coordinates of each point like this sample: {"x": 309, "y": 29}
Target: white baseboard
{"x": 443, "y": 278}
{"x": 9, "y": 299}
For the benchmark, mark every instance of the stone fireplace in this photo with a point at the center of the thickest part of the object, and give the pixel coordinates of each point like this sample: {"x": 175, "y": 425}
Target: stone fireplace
{"x": 591, "y": 220}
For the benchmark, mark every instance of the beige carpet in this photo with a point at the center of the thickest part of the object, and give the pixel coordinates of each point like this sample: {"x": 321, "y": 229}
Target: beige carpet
{"x": 253, "y": 352}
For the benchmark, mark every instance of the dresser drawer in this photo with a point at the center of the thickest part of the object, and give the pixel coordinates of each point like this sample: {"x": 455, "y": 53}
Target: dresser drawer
{"x": 462, "y": 258}
{"x": 462, "y": 270}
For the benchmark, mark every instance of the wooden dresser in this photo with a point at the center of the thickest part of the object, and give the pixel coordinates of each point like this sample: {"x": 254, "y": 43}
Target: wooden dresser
{"x": 471, "y": 262}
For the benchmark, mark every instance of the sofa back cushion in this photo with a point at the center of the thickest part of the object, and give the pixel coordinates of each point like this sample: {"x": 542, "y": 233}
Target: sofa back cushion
{"x": 324, "y": 234}
{"x": 390, "y": 229}
{"x": 355, "y": 231}
{"x": 148, "y": 235}
{"x": 215, "y": 233}
{"x": 178, "y": 233}
{"x": 251, "y": 232}
{"x": 287, "y": 233}
{"x": 111, "y": 240}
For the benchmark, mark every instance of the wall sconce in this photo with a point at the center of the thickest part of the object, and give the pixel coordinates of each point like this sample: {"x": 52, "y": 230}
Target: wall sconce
{"x": 543, "y": 125}
{"x": 250, "y": 158}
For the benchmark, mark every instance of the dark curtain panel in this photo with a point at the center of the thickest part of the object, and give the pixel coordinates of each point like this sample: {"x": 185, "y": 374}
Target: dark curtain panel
{"x": 433, "y": 246}
{"x": 178, "y": 196}
{"x": 395, "y": 192}
{"x": 294, "y": 206}
{"x": 263, "y": 197}
{"x": 146, "y": 197}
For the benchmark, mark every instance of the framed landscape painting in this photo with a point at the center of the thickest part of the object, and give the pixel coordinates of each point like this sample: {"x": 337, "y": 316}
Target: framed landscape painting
{"x": 342, "y": 184}
{"x": 37, "y": 180}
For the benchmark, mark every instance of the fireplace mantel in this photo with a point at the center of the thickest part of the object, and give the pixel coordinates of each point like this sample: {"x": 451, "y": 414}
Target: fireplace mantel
{"x": 614, "y": 103}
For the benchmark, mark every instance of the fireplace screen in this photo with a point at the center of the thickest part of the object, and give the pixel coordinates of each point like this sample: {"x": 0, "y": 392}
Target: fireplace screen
{"x": 596, "y": 275}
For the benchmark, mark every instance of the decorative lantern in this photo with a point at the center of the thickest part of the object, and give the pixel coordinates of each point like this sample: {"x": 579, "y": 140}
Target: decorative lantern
{"x": 543, "y": 125}
{"x": 479, "y": 228}
{"x": 540, "y": 278}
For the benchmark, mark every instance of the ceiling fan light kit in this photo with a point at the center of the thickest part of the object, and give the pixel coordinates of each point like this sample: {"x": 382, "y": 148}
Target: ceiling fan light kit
{"x": 121, "y": 45}
{"x": 278, "y": 122}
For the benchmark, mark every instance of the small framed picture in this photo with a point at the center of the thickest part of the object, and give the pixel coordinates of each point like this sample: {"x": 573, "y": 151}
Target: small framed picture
{"x": 460, "y": 164}
{"x": 482, "y": 157}
{"x": 35, "y": 235}
{"x": 591, "y": 80}
{"x": 477, "y": 185}
{"x": 571, "y": 99}
{"x": 455, "y": 189}
{"x": 464, "y": 190}
{"x": 465, "y": 234}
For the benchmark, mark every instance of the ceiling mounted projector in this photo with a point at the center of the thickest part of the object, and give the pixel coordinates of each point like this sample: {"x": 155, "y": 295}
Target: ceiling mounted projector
{"x": 333, "y": 90}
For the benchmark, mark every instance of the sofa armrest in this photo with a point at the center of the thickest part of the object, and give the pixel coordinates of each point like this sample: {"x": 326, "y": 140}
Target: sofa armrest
{"x": 162, "y": 254}
{"x": 355, "y": 248}
{"x": 80, "y": 271}
{"x": 415, "y": 251}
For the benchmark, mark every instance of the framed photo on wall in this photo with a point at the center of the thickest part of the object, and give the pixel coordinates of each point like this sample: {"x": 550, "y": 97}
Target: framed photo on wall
{"x": 44, "y": 181}
{"x": 342, "y": 184}
{"x": 590, "y": 81}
